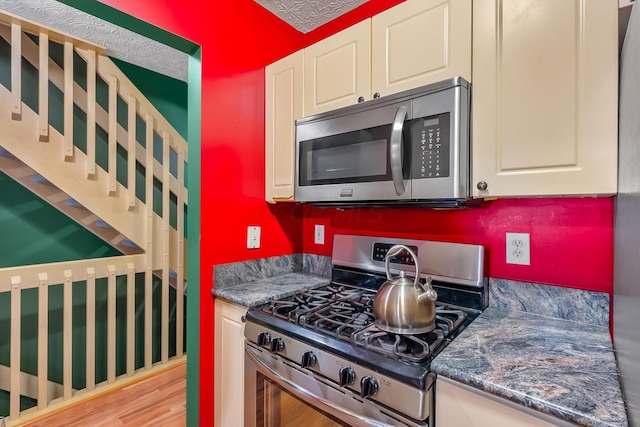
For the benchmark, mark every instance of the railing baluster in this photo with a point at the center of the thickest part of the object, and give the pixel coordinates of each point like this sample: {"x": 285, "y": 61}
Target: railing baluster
{"x": 166, "y": 230}
{"x": 43, "y": 335}
{"x": 131, "y": 318}
{"x": 91, "y": 329}
{"x": 111, "y": 324}
{"x": 16, "y": 71}
{"x": 43, "y": 87}
{"x": 67, "y": 326}
{"x": 91, "y": 113}
{"x": 180, "y": 261}
{"x": 68, "y": 101}
{"x": 113, "y": 133}
{"x": 148, "y": 307}
{"x": 131, "y": 153}
{"x": 16, "y": 321}
{"x": 148, "y": 278}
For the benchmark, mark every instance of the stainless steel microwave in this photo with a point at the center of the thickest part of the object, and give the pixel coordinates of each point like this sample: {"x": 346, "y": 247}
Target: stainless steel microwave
{"x": 411, "y": 147}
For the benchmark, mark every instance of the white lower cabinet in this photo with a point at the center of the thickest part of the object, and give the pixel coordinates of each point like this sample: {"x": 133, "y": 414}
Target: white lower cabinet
{"x": 229, "y": 364}
{"x": 458, "y": 405}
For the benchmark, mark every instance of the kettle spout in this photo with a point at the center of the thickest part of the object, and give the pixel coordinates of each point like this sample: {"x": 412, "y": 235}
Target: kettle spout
{"x": 429, "y": 293}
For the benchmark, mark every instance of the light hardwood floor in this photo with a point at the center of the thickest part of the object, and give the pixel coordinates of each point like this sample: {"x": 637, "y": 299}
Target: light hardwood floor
{"x": 156, "y": 401}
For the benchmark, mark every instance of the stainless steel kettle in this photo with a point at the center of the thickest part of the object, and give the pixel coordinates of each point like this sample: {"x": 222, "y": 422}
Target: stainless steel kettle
{"x": 402, "y": 305}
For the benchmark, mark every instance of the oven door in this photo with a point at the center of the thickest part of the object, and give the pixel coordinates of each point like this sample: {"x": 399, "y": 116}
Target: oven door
{"x": 279, "y": 393}
{"x": 359, "y": 156}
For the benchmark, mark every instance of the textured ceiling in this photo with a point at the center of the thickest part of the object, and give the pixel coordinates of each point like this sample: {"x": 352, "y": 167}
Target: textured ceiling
{"x": 120, "y": 43}
{"x": 307, "y": 15}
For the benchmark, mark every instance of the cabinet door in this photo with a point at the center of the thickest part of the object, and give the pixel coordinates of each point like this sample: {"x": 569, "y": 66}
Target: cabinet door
{"x": 284, "y": 93}
{"x": 229, "y": 364}
{"x": 545, "y": 97}
{"x": 337, "y": 70}
{"x": 457, "y": 406}
{"x": 420, "y": 42}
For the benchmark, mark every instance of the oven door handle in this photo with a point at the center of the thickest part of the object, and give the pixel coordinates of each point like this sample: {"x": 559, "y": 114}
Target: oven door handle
{"x": 395, "y": 149}
{"x": 309, "y": 396}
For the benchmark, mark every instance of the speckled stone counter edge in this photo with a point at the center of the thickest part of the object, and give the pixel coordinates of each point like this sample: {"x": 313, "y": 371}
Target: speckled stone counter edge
{"x": 555, "y": 301}
{"x": 238, "y": 273}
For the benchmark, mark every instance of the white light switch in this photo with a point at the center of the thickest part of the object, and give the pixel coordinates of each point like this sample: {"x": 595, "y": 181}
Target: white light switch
{"x": 318, "y": 235}
{"x": 253, "y": 237}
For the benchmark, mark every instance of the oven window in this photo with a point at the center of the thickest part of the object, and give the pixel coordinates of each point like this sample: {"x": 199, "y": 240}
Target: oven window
{"x": 277, "y": 408}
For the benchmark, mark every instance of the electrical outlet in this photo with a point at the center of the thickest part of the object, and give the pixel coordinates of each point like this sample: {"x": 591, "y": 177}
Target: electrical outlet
{"x": 518, "y": 249}
{"x": 318, "y": 236}
{"x": 253, "y": 237}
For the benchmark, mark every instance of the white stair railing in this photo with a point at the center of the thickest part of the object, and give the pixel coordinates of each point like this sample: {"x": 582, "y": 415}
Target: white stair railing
{"x": 94, "y": 273}
{"x": 99, "y": 190}
{"x": 104, "y": 197}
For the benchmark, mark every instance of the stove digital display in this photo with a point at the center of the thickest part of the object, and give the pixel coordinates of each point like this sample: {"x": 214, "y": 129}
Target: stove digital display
{"x": 380, "y": 252}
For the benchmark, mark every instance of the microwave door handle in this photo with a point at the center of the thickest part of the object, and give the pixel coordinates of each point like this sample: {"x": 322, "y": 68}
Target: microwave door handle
{"x": 395, "y": 149}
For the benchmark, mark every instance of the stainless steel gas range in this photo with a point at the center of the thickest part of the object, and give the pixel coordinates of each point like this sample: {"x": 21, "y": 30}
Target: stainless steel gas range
{"x": 317, "y": 359}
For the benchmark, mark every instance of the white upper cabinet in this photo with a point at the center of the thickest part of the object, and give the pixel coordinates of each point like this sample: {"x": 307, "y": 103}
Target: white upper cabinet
{"x": 545, "y": 97}
{"x": 412, "y": 44}
{"x": 338, "y": 69}
{"x": 283, "y": 95}
{"x": 420, "y": 42}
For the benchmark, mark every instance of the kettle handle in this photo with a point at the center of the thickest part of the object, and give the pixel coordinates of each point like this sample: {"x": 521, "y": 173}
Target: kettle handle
{"x": 396, "y": 249}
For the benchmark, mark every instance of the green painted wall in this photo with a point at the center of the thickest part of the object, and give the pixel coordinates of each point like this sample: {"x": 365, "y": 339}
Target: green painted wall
{"x": 34, "y": 232}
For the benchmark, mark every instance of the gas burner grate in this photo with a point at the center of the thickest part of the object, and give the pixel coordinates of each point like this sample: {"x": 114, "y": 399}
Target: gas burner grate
{"x": 340, "y": 319}
{"x": 449, "y": 320}
{"x": 409, "y": 348}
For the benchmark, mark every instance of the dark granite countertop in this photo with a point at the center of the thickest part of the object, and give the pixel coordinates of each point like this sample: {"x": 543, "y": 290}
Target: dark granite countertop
{"x": 262, "y": 291}
{"x": 562, "y": 368}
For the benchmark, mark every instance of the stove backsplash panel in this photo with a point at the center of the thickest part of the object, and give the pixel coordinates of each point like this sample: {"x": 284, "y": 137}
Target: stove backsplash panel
{"x": 237, "y": 273}
{"x": 316, "y": 264}
{"x": 555, "y": 301}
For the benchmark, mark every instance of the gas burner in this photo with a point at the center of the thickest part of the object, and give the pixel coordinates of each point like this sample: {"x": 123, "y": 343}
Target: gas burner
{"x": 409, "y": 348}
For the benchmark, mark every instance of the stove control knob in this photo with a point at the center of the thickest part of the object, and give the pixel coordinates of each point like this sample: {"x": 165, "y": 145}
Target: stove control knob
{"x": 264, "y": 338}
{"x": 368, "y": 386}
{"x": 277, "y": 344}
{"x": 347, "y": 376}
{"x": 309, "y": 359}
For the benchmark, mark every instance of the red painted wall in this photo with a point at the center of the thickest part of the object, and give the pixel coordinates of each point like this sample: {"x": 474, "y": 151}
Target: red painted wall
{"x": 238, "y": 38}
{"x": 571, "y": 239}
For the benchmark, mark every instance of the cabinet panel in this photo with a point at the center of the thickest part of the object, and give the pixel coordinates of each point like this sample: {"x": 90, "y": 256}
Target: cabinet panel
{"x": 545, "y": 97}
{"x": 284, "y": 94}
{"x": 420, "y": 42}
{"x": 456, "y": 406}
{"x": 229, "y": 364}
{"x": 337, "y": 69}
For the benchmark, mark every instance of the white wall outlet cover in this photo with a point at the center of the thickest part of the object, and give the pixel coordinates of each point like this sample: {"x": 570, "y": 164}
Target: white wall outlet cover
{"x": 253, "y": 237}
{"x": 518, "y": 248}
{"x": 318, "y": 235}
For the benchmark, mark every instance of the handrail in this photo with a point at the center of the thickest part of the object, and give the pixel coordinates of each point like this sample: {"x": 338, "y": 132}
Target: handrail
{"x": 54, "y": 35}
{"x": 78, "y": 269}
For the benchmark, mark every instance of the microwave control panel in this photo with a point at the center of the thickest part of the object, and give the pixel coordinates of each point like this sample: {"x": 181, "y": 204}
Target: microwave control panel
{"x": 431, "y": 147}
